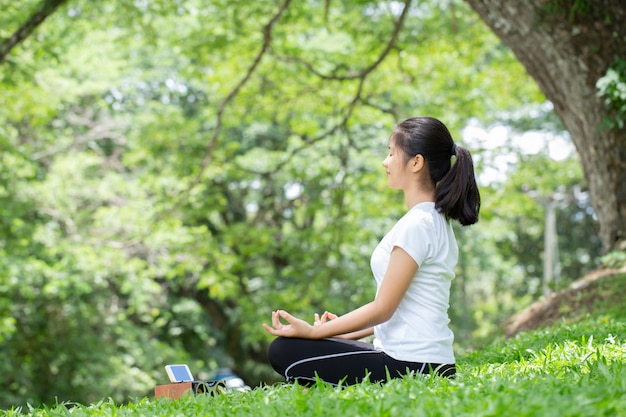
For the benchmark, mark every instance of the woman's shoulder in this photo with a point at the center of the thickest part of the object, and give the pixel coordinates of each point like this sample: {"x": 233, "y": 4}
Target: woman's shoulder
{"x": 423, "y": 213}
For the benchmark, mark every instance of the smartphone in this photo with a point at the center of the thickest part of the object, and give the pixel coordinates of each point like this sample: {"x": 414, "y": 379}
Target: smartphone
{"x": 178, "y": 373}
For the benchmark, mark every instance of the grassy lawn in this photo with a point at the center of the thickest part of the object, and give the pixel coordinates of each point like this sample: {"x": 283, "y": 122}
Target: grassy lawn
{"x": 568, "y": 370}
{"x": 572, "y": 368}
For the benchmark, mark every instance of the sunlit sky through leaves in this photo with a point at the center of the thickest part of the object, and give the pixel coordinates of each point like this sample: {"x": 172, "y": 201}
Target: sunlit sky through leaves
{"x": 500, "y": 145}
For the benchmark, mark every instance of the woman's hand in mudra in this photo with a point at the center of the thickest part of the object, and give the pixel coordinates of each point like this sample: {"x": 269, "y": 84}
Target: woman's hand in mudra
{"x": 295, "y": 327}
{"x": 317, "y": 320}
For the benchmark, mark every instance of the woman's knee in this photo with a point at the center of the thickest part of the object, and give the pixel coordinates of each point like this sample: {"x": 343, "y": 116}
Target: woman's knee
{"x": 277, "y": 352}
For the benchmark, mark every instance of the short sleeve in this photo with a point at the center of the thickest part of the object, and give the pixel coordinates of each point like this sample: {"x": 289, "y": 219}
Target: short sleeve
{"x": 414, "y": 238}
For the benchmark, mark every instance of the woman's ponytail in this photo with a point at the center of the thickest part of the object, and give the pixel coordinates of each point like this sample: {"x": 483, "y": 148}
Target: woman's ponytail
{"x": 456, "y": 195}
{"x": 456, "y": 192}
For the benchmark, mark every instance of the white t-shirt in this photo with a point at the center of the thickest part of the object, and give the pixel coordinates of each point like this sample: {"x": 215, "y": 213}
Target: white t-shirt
{"x": 418, "y": 330}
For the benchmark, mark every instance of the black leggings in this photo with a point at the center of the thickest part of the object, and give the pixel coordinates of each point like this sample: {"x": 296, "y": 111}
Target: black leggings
{"x": 342, "y": 361}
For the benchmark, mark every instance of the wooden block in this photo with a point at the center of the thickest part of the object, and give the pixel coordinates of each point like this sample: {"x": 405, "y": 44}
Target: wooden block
{"x": 173, "y": 391}
{"x": 178, "y": 389}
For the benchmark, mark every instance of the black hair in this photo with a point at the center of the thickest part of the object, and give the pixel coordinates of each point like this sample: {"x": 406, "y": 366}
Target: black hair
{"x": 456, "y": 191}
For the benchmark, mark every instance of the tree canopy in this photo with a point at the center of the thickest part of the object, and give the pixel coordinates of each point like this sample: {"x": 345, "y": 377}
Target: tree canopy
{"x": 171, "y": 172}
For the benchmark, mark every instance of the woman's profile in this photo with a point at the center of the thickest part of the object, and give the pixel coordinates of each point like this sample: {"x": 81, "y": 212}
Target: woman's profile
{"x": 413, "y": 266}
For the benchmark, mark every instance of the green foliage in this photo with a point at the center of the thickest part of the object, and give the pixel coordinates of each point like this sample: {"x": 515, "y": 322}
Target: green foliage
{"x": 602, "y": 298}
{"x": 612, "y": 88}
{"x": 574, "y": 370}
{"x": 614, "y": 259}
{"x": 170, "y": 173}
{"x": 561, "y": 184}
{"x": 576, "y": 11}
{"x": 572, "y": 8}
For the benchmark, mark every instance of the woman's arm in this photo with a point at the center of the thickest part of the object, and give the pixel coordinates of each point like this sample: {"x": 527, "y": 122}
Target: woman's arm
{"x": 398, "y": 277}
{"x": 360, "y": 334}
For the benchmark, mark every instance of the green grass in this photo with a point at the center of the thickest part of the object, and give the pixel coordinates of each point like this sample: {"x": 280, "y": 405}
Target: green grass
{"x": 569, "y": 370}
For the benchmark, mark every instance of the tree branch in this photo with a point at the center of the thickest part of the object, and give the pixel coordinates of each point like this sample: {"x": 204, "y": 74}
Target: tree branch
{"x": 365, "y": 71}
{"x": 45, "y": 9}
{"x": 267, "y": 40}
{"x": 360, "y": 75}
{"x": 208, "y": 156}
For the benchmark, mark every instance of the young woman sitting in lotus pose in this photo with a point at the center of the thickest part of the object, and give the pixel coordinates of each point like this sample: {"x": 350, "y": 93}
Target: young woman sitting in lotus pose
{"x": 413, "y": 266}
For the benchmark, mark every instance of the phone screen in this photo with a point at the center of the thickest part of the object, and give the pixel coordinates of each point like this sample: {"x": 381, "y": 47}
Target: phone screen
{"x": 180, "y": 373}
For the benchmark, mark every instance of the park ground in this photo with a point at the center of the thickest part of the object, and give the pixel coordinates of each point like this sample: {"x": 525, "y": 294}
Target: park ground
{"x": 562, "y": 356}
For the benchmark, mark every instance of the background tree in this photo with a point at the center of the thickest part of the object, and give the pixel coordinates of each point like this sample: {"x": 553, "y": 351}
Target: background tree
{"x": 574, "y": 49}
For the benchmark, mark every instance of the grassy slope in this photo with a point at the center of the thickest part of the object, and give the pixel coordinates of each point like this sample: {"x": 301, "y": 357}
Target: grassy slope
{"x": 602, "y": 292}
{"x": 571, "y": 369}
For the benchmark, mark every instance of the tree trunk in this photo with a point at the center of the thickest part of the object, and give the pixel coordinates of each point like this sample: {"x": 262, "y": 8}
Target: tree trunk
{"x": 566, "y": 46}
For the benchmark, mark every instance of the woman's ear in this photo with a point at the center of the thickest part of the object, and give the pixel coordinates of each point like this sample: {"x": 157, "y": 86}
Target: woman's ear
{"x": 417, "y": 163}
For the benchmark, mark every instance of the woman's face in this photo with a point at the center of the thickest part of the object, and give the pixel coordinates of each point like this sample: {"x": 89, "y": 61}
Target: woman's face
{"x": 397, "y": 167}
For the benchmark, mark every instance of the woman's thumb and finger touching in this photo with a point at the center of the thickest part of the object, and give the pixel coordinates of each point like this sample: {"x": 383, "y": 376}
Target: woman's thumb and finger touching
{"x": 294, "y": 327}
{"x": 328, "y": 316}
{"x": 317, "y": 320}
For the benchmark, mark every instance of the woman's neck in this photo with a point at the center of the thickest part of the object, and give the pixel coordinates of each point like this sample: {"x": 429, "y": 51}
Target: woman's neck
{"x": 416, "y": 196}
{"x": 419, "y": 189}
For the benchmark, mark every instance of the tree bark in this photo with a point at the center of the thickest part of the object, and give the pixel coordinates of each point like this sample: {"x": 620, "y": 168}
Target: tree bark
{"x": 566, "y": 46}
{"x": 45, "y": 9}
